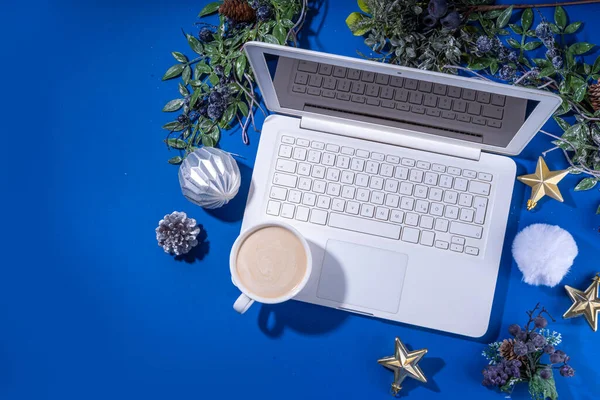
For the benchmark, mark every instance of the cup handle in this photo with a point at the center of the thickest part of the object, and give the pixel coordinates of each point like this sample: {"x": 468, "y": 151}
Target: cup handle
{"x": 242, "y": 304}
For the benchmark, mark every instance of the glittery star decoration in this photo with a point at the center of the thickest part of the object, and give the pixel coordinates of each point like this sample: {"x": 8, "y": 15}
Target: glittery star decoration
{"x": 404, "y": 364}
{"x": 586, "y": 303}
{"x": 543, "y": 183}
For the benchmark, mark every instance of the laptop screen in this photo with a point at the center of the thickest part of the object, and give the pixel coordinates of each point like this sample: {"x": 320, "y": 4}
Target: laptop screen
{"x": 397, "y": 100}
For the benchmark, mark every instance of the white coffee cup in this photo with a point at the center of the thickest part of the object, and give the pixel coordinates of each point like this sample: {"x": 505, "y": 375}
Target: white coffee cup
{"x": 247, "y": 298}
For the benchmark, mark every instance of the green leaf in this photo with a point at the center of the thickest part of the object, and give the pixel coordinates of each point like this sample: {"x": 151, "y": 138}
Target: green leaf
{"x": 173, "y": 126}
{"x": 562, "y": 123}
{"x": 502, "y": 32}
{"x": 480, "y": 64}
{"x": 183, "y": 90}
{"x": 540, "y": 388}
{"x": 268, "y": 38}
{"x": 598, "y": 210}
{"x": 280, "y": 33}
{"x": 176, "y": 143}
{"x": 203, "y": 68}
{"x": 353, "y": 22}
{"x": 195, "y": 96}
{"x": 560, "y": 17}
{"x": 586, "y": 184}
{"x": 176, "y": 160}
{"x": 532, "y": 45}
{"x": 243, "y": 107}
{"x": 504, "y": 17}
{"x": 516, "y": 29}
{"x": 187, "y": 74}
{"x": 179, "y": 56}
{"x": 579, "y": 88}
{"x": 526, "y": 19}
{"x": 195, "y": 44}
{"x": 229, "y": 114}
{"x": 596, "y": 67}
{"x": 210, "y": 8}
{"x": 173, "y": 72}
{"x": 572, "y": 28}
{"x": 213, "y": 79}
{"x": 587, "y": 68}
{"x": 210, "y": 139}
{"x": 494, "y": 67}
{"x": 541, "y": 62}
{"x": 362, "y": 4}
{"x": 580, "y": 48}
{"x": 240, "y": 67}
{"x": 513, "y": 43}
{"x": 173, "y": 105}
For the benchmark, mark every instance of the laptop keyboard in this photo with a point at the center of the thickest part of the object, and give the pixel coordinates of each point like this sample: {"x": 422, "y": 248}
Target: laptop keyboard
{"x": 426, "y": 103}
{"x": 386, "y": 195}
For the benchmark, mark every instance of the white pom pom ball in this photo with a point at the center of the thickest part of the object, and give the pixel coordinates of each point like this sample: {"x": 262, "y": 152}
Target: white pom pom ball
{"x": 544, "y": 253}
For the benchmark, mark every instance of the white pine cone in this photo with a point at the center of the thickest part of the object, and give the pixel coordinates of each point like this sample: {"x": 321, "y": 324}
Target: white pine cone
{"x": 176, "y": 233}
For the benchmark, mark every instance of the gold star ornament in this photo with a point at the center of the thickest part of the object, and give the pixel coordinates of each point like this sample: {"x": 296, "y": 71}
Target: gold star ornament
{"x": 586, "y": 303}
{"x": 404, "y": 364}
{"x": 543, "y": 183}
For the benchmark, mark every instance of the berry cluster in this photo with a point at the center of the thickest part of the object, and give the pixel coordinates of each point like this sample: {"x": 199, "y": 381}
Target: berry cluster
{"x": 438, "y": 12}
{"x": 499, "y": 374}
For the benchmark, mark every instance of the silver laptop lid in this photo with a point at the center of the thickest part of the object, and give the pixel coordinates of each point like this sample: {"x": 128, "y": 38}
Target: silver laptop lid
{"x": 484, "y": 115}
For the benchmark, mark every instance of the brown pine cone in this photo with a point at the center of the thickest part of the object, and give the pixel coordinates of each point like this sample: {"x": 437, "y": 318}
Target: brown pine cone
{"x": 594, "y": 96}
{"x": 237, "y": 10}
{"x": 507, "y": 349}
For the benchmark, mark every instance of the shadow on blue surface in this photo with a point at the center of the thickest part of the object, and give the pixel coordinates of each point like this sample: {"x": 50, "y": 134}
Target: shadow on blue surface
{"x": 301, "y": 317}
{"x": 433, "y": 366}
{"x": 316, "y": 7}
{"x": 234, "y": 210}
{"x": 198, "y": 252}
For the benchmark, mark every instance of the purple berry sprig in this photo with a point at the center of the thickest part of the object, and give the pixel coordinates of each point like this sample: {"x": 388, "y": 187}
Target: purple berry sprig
{"x": 217, "y": 87}
{"x": 528, "y": 356}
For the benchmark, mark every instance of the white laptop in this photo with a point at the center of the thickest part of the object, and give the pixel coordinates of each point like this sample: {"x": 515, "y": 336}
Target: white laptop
{"x": 390, "y": 174}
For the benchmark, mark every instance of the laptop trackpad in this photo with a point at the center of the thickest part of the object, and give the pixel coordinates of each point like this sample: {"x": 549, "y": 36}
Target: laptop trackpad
{"x": 364, "y": 276}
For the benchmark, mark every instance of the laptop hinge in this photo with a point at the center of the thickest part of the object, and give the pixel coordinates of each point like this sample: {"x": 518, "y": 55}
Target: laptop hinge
{"x": 383, "y": 134}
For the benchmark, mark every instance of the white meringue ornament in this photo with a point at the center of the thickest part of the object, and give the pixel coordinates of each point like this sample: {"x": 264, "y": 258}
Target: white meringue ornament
{"x": 209, "y": 177}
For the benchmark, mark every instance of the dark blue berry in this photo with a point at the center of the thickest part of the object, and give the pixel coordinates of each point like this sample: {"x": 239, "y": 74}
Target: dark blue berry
{"x": 186, "y": 100}
{"x": 540, "y": 322}
{"x": 264, "y": 13}
{"x": 430, "y": 21}
{"x": 437, "y": 8}
{"x": 215, "y": 97}
{"x": 506, "y": 73}
{"x": 567, "y": 371}
{"x": 206, "y": 35}
{"x": 219, "y": 70}
{"x": 549, "y": 42}
{"x": 546, "y": 373}
{"x": 539, "y": 341}
{"x": 512, "y": 56}
{"x": 549, "y": 349}
{"x": 484, "y": 44}
{"x": 520, "y": 348}
{"x": 215, "y": 111}
{"x": 182, "y": 119}
{"x": 203, "y": 109}
{"x": 543, "y": 31}
{"x": 557, "y": 62}
{"x": 451, "y": 21}
{"x": 514, "y": 329}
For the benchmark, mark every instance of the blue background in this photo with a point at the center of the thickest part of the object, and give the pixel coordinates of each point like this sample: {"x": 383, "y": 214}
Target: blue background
{"x": 91, "y": 307}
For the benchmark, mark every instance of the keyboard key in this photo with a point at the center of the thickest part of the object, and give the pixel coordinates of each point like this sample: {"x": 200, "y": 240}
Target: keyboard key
{"x": 426, "y": 222}
{"x": 278, "y": 193}
{"x": 348, "y": 192}
{"x": 454, "y": 91}
{"x": 294, "y": 196}
{"x": 440, "y": 244}
{"x": 369, "y": 227}
{"x": 421, "y": 191}
{"x": 406, "y": 188}
{"x": 339, "y": 72}
{"x": 352, "y": 207}
{"x": 323, "y": 202}
{"x": 353, "y": 74}
{"x": 387, "y": 103}
{"x": 367, "y": 210}
{"x": 437, "y": 209}
{"x": 391, "y": 185}
{"x": 318, "y": 171}
{"x": 314, "y": 156}
{"x": 416, "y": 175}
{"x": 287, "y": 211}
{"x": 407, "y": 203}
{"x": 273, "y": 207}
{"x": 372, "y": 167}
{"x": 408, "y": 162}
{"x": 347, "y": 177}
{"x": 401, "y": 173}
{"x": 307, "y": 66}
{"x": 334, "y": 148}
{"x": 461, "y": 184}
{"x": 328, "y": 159}
{"x": 367, "y": 76}
{"x": 363, "y": 195}
{"x": 438, "y": 168}
{"x": 425, "y": 86}
{"x": 373, "y": 102}
{"x": 484, "y": 177}
{"x": 494, "y": 124}
{"x": 325, "y": 69}
{"x": 445, "y": 103}
{"x": 451, "y": 212}
{"x": 362, "y": 153}
{"x": 439, "y": 89}
{"x": 347, "y": 151}
{"x": 382, "y": 79}
{"x": 334, "y": 189}
{"x": 469, "y": 174}
{"x": 343, "y": 162}
{"x": 410, "y": 235}
{"x": 301, "y": 78}
{"x": 430, "y": 100}
{"x": 410, "y": 84}
{"x": 386, "y": 170}
{"x": 466, "y": 215}
{"x": 344, "y": 86}
{"x": 302, "y": 213}
{"x": 433, "y": 112}
{"x": 498, "y": 100}
{"x": 285, "y": 180}
{"x": 362, "y": 180}
{"x": 338, "y": 205}
{"x": 465, "y": 200}
{"x": 377, "y": 198}
{"x": 285, "y": 151}
{"x": 392, "y": 200}
{"x": 473, "y": 251}
{"x": 474, "y": 109}
{"x": 329, "y": 93}
{"x": 431, "y": 178}
{"x": 343, "y": 96}
{"x": 427, "y": 238}
{"x": 313, "y": 91}
{"x": 460, "y": 106}
{"x": 422, "y": 206}
{"x": 401, "y": 95}
{"x": 417, "y": 109}
{"x": 397, "y": 216}
{"x": 441, "y": 225}
{"x": 357, "y": 164}
{"x": 304, "y": 183}
{"x": 463, "y": 118}
{"x": 454, "y": 171}
{"x": 468, "y": 94}
{"x": 450, "y": 197}
{"x": 458, "y": 240}
{"x": 446, "y": 181}
{"x": 358, "y": 99}
{"x": 287, "y": 140}
{"x": 480, "y": 188}
{"x": 392, "y": 159}
{"x": 492, "y": 112}
{"x": 317, "y": 145}
{"x": 298, "y": 89}
{"x": 483, "y": 97}
{"x": 377, "y": 156}
{"x": 396, "y": 81}
{"x": 387, "y": 93}
{"x": 435, "y": 194}
{"x": 456, "y": 247}
{"x": 376, "y": 182}
{"x": 415, "y": 98}
{"x": 318, "y": 217}
{"x": 319, "y": 186}
{"x": 480, "y": 204}
{"x": 315, "y": 81}
{"x": 333, "y": 174}
{"x": 329, "y": 83}
{"x": 472, "y": 231}
{"x": 382, "y": 213}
